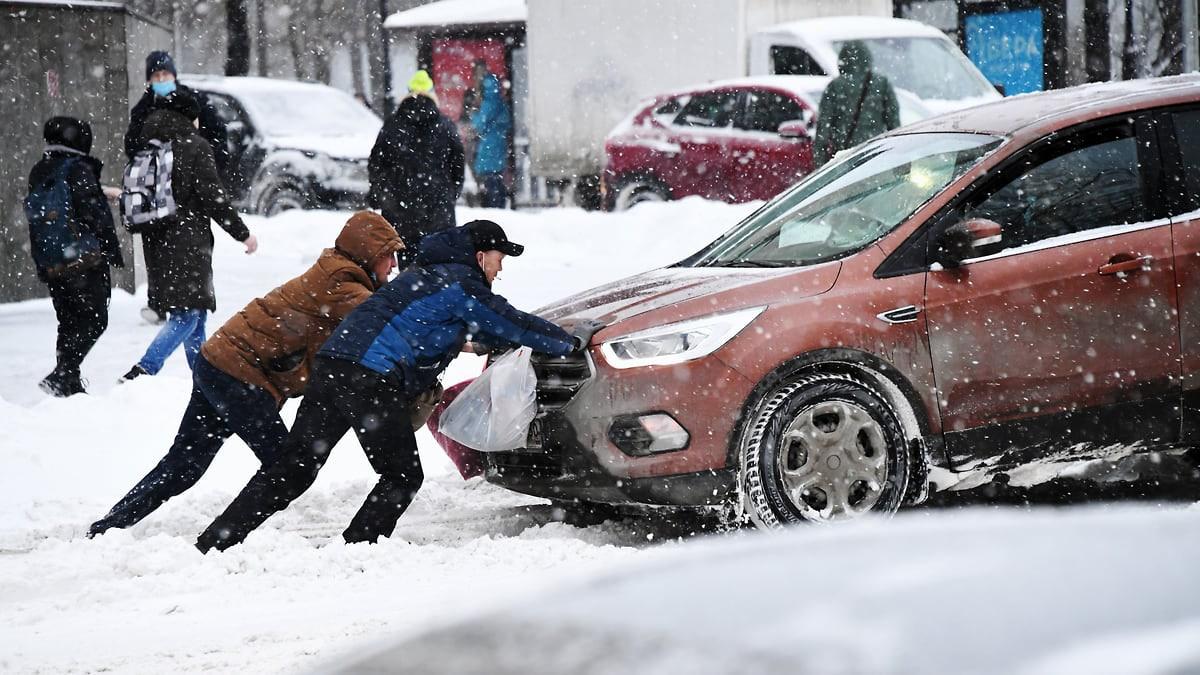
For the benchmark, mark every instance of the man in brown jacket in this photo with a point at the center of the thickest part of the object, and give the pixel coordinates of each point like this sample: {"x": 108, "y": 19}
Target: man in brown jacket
{"x": 260, "y": 358}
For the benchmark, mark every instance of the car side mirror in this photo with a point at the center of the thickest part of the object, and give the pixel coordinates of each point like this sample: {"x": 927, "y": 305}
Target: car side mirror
{"x": 796, "y": 129}
{"x": 999, "y": 88}
{"x": 963, "y": 240}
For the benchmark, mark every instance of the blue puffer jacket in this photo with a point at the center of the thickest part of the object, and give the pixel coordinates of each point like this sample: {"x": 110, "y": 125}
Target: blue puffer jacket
{"x": 413, "y": 327}
{"x": 492, "y": 124}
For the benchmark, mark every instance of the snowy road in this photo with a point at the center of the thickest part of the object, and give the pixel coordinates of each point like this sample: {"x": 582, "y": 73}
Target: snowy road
{"x": 145, "y": 601}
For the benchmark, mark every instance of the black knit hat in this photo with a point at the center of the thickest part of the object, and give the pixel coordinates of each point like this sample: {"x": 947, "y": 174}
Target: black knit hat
{"x": 70, "y": 132}
{"x": 488, "y": 236}
{"x": 159, "y": 60}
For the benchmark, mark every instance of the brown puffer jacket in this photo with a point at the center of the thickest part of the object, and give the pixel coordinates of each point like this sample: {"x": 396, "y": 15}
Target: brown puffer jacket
{"x": 272, "y": 341}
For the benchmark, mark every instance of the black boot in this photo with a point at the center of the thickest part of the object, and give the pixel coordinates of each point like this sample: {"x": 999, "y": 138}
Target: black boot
{"x": 62, "y": 385}
{"x": 134, "y": 372}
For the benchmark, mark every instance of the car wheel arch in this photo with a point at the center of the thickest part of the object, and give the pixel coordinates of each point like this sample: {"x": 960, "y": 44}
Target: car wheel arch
{"x": 872, "y": 371}
{"x": 640, "y": 175}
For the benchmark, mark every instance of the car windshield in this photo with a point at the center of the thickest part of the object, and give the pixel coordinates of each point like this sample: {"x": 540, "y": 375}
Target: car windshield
{"x": 305, "y": 112}
{"x": 858, "y": 197}
{"x": 931, "y": 68}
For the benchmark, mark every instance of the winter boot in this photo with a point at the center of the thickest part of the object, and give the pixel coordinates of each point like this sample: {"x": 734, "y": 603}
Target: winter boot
{"x": 62, "y": 385}
{"x": 134, "y": 372}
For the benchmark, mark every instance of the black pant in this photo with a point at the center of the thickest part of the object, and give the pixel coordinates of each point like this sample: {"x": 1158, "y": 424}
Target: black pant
{"x": 81, "y": 305}
{"x": 342, "y": 396}
{"x": 221, "y": 405}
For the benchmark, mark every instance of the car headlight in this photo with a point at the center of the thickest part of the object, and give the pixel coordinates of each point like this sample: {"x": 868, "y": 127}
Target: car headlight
{"x": 677, "y": 342}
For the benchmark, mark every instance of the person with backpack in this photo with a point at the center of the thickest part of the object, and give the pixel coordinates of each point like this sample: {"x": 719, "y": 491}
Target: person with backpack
{"x": 387, "y": 352}
{"x": 261, "y": 357}
{"x": 857, "y": 105}
{"x": 73, "y": 242}
{"x": 175, "y": 227}
{"x": 416, "y": 167}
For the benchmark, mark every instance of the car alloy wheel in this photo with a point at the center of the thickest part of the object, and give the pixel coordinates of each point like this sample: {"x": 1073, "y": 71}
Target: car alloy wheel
{"x": 280, "y": 197}
{"x": 824, "y": 448}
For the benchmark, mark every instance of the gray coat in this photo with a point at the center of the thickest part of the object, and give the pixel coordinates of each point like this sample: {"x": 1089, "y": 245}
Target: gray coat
{"x": 179, "y": 255}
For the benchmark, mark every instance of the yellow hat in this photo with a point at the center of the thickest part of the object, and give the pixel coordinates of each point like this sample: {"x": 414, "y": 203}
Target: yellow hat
{"x": 420, "y": 83}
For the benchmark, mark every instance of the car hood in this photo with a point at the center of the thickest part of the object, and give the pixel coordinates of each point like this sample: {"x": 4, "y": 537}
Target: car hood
{"x": 349, "y": 146}
{"x": 678, "y": 293}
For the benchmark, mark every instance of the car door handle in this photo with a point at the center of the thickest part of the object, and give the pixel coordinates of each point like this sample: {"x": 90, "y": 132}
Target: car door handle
{"x": 1125, "y": 263}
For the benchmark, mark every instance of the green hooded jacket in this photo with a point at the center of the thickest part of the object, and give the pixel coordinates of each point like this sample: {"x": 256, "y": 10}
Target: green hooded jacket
{"x": 836, "y": 125}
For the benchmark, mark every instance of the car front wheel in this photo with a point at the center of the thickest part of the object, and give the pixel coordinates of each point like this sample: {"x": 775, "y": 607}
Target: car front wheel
{"x": 822, "y": 448}
{"x": 636, "y": 190}
{"x": 280, "y": 196}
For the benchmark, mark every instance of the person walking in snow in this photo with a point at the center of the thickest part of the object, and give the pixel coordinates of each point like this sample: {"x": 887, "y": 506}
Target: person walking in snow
{"x": 416, "y": 167}
{"x": 857, "y": 105}
{"x": 75, "y": 266}
{"x": 179, "y": 254}
{"x": 387, "y": 351}
{"x": 261, "y": 357}
{"x": 492, "y": 124}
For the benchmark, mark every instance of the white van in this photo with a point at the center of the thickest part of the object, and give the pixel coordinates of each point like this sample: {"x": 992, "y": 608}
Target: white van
{"x": 914, "y": 56}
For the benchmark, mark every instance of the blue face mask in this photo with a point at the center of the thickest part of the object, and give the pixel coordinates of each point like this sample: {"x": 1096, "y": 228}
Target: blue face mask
{"x": 163, "y": 89}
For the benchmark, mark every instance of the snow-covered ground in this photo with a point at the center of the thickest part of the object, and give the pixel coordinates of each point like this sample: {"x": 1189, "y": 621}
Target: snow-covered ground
{"x": 295, "y": 598}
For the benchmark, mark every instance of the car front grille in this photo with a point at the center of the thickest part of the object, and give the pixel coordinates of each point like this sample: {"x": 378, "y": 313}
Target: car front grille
{"x": 559, "y": 378}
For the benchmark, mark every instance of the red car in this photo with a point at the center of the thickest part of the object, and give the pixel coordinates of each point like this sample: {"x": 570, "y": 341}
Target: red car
{"x": 1008, "y": 292}
{"x": 736, "y": 141}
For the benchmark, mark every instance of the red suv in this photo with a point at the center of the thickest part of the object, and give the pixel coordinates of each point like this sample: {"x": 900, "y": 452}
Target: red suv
{"x": 1009, "y": 290}
{"x": 735, "y": 141}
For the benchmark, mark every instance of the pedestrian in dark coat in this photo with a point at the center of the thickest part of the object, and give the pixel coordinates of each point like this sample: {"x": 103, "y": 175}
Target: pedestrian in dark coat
{"x": 378, "y": 361}
{"x": 260, "y": 358}
{"x": 492, "y": 123}
{"x": 857, "y": 105}
{"x": 416, "y": 168}
{"x": 80, "y": 295}
{"x": 179, "y": 254}
{"x": 161, "y": 82}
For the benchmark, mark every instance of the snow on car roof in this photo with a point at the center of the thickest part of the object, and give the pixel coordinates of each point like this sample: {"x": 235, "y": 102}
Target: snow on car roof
{"x": 248, "y": 84}
{"x": 1049, "y": 109}
{"x": 805, "y": 86}
{"x": 837, "y": 28}
{"x": 458, "y": 13}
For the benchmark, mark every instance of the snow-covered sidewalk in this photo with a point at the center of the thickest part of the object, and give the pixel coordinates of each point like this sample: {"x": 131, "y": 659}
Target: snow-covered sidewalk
{"x": 146, "y": 601}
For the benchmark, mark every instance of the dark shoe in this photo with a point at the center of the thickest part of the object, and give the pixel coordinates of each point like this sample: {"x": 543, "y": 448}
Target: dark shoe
{"x": 62, "y": 386}
{"x": 134, "y": 372}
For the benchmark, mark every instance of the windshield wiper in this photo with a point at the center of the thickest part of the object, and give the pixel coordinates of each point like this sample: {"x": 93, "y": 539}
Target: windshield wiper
{"x": 756, "y": 263}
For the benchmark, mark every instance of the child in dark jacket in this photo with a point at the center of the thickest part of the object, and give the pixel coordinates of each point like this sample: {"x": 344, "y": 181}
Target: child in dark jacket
{"x": 74, "y": 269}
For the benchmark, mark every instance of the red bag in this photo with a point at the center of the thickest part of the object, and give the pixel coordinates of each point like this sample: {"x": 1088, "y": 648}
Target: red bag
{"x": 470, "y": 463}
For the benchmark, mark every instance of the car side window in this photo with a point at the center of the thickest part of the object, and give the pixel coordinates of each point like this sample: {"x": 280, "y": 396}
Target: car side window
{"x": 711, "y": 109}
{"x": 1086, "y": 182}
{"x": 1187, "y": 139}
{"x": 766, "y": 110}
{"x": 794, "y": 61}
{"x": 224, "y": 108}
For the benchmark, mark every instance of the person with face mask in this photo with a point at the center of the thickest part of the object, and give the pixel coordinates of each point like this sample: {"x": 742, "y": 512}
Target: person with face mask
{"x": 377, "y": 362}
{"x": 261, "y": 357}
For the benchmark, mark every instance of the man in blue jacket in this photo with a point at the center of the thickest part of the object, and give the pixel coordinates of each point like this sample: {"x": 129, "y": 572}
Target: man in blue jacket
{"x": 385, "y": 354}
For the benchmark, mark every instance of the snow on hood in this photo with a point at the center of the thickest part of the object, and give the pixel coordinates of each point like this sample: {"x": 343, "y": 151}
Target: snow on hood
{"x": 670, "y": 287}
{"x": 356, "y": 146}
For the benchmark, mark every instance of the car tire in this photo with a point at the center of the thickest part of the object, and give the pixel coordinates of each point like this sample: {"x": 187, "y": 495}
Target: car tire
{"x": 279, "y": 196}
{"x": 823, "y": 448}
{"x": 635, "y": 190}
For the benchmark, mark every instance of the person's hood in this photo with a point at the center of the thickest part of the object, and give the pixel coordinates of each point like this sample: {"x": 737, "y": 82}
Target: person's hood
{"x": 365, "y": 237}
{"x": 448, "y": 247}
{"x": 164, "y": 124}
{"x": 854, "y": 59}
{"x": 418, "y": 112}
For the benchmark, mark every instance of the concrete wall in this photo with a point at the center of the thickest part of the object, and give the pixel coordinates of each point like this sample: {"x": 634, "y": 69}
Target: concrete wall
{"x": 62, "y": 60}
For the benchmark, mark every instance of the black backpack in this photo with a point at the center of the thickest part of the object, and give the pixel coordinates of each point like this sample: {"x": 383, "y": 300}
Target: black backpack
{"x": 59, "y": 246}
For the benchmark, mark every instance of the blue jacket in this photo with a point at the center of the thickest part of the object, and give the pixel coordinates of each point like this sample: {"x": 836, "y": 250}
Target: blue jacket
{"x": 492, "y": 124}
{"x": 413, "y": 327}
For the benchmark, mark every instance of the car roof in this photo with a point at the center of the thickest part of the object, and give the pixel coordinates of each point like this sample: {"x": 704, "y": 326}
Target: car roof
{"x": 1045, "y": 111}
{"x": 838, "y": 28}
{"x": 804, "y": 86}
{"x": 236, "y": 85}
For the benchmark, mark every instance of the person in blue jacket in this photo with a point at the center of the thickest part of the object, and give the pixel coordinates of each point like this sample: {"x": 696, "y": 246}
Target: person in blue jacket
{"x": 383, "y": 355}
{"x": 492, "y": 123}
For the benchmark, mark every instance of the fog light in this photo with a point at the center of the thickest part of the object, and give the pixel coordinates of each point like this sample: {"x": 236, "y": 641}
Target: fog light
{"x": 640, "y": 435}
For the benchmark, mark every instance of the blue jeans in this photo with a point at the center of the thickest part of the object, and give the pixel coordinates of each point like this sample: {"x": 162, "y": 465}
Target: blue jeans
{"x": 221, "y": 405}
{"x": 494, "y": 193}
{"x": 184, "y": 327}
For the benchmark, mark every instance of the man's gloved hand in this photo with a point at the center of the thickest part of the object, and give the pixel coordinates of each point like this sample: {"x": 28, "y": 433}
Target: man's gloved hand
{"x": 583, "y": 331}
{"x": 580, "y": 345}
{"x": 423, "y": 405}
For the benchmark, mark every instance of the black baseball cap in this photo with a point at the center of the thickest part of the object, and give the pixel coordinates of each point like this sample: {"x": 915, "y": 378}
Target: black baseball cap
{"x": 488, "y": 236}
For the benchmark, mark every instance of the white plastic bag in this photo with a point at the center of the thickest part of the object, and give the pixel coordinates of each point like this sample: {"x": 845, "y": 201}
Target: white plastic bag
{"x": 493, "y": 413}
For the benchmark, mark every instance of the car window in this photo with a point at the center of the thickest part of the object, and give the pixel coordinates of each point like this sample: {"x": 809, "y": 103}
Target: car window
{"x": 1086, "y": 182}
{"x": 794, "y": 61}
{"x": 224, "y": 108}
{"x": 766, "y": 110}
{"x": 931, "y": 68}
{"x": 713, "y": 110}
{"x": 1187, "y": 136}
